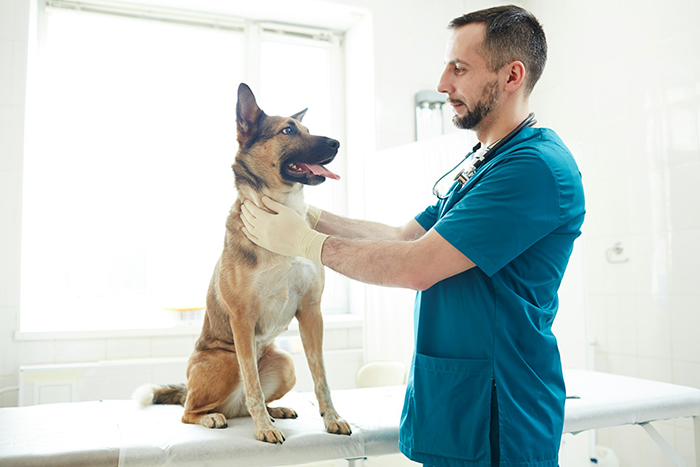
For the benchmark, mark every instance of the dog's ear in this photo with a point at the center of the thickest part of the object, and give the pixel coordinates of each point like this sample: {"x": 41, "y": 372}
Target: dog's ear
{"x": 248, "y": 114}
{"x": 299, "y": 115}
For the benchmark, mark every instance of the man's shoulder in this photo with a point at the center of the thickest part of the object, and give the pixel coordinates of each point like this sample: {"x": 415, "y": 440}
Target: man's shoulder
{"x": 538, "y": 140}
{"x": 543, "y": 144}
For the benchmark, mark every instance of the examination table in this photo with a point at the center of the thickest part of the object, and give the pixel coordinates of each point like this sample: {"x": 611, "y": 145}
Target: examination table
{"x": 119, "y": 433}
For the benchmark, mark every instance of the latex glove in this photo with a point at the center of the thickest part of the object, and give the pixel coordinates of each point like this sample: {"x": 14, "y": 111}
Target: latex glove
{"x": 283, "y": 232}
{"x": 313, "y": 214}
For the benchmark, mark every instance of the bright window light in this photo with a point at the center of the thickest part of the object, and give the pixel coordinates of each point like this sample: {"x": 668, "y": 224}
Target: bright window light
{"x": 306, "y": 84}
{"x": 127, "y": 177}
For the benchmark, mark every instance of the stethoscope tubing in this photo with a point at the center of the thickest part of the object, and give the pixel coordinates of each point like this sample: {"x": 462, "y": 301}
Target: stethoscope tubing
{"x": 489, "y": 155}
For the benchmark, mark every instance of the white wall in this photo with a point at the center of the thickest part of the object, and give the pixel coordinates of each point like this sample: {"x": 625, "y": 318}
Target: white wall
{"x": 622, "y": 81}
{"x": 409, "y": 47}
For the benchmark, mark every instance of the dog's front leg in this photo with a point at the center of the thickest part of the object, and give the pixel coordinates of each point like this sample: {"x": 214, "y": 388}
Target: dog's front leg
{"x": 311, "y": 331}
{"x": 244, "y": 337}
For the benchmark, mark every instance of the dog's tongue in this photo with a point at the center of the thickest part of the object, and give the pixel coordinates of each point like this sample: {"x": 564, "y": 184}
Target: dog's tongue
{"x": 318, "y": 169}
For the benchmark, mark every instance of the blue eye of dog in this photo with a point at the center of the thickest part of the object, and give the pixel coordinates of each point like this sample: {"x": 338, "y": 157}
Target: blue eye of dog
{"x": 288, "y": 130}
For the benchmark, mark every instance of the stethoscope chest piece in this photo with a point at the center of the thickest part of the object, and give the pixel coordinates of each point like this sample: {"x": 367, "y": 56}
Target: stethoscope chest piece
{"x": 463, "y": 177}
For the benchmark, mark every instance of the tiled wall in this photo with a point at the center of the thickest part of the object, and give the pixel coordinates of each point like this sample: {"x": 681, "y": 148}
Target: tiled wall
{"x": 59, "y": 370}
{"x": 622, "y": 80}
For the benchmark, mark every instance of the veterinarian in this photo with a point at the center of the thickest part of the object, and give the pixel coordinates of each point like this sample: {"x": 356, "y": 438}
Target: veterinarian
{"x": 486, "y": 385}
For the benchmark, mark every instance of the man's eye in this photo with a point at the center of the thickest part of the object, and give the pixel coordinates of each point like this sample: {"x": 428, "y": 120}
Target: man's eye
{"x": 287, "y": 130}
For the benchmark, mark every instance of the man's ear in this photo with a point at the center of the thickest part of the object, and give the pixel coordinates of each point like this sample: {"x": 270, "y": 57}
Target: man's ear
{"x": 516, "y": 75}
{"x": 248, "y": 114}
{"x": 299, "y": 115}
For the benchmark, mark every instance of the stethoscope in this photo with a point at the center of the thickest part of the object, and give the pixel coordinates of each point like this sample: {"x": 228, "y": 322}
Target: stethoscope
{"x": 481, "y": 157}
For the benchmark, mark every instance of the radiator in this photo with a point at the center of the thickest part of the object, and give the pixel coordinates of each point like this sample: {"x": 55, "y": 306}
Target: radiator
{"x": 117, "y": 379}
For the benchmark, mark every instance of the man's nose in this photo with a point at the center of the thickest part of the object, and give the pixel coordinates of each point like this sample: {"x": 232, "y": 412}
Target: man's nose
{"x": 445, "y": 83}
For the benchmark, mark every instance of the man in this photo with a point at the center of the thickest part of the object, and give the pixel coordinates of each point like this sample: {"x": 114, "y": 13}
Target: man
{"x": 485, "y": 386}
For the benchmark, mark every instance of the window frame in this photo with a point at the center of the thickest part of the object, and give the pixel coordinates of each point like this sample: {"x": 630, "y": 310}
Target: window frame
{"x": 254, "y": 32}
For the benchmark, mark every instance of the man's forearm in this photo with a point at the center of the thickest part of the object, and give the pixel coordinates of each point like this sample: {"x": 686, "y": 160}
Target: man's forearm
{"x": 387, "y": 263}
{"x": 415, "y": 264}
{"x": 337, "y": 226}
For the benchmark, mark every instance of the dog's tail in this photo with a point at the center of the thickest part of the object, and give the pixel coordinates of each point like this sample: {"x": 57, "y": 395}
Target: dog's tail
{"x": 153, "y": 394}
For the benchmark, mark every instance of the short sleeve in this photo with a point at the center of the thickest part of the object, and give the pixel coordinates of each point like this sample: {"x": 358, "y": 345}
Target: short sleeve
{"x": 427, "y": 218}
{"x": 510, "y": 208}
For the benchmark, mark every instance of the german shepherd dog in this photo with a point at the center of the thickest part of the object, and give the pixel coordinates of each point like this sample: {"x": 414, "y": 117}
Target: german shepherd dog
{"x": 236, "y": 369}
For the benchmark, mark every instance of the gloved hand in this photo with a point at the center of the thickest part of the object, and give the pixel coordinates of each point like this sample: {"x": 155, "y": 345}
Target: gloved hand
{"x": 283, "y": 232}
{"x": 313, "y": 214}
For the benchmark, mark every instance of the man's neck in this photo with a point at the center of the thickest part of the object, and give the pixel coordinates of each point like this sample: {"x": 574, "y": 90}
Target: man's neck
{"x": 507, "y": 121}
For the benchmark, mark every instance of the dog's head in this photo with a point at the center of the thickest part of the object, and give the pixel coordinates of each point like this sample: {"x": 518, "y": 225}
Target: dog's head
{"x": 278, "y": 151}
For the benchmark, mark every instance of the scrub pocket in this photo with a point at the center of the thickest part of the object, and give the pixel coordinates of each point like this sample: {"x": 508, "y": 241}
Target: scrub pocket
{"x": 448, "y": 412}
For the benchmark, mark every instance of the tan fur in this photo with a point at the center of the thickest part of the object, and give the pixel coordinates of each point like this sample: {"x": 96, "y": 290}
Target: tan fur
{"x": 236, "y": 370}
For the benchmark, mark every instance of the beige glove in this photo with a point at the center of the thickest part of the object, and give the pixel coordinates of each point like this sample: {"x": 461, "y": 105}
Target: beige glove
{"x": 283, "y": 232}
{"x": 313, "y": 214}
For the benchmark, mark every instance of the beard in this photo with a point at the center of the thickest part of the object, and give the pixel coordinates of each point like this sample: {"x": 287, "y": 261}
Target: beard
{"x": 474, "y": 116}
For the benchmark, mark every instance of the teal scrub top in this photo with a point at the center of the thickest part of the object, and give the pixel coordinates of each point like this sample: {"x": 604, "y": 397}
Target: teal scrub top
{"x": 486, "y": 381}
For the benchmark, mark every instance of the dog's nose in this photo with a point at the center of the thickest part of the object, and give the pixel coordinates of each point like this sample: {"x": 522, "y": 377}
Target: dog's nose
{"x": 334, "y": 143}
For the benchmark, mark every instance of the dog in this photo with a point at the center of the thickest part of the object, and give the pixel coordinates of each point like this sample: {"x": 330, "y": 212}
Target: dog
{"x": 235, "y": 369}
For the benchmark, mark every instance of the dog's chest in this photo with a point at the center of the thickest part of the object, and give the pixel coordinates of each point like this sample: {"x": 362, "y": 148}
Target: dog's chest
{"x": 280, "y": 290}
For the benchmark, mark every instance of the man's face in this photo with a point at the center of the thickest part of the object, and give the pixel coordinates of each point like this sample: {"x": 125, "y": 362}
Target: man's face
{"x": 472, "y": 88}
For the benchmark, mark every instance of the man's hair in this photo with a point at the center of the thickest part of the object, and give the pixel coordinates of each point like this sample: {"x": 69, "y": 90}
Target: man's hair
{"x": 512, "y": 33}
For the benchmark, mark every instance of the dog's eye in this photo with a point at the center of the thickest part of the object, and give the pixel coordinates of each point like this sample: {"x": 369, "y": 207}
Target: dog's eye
{"x": 288, "y": 130}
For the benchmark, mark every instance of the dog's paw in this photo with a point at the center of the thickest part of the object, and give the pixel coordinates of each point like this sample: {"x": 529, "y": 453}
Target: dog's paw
{"x": 270, "y": 434}
{"x": 281, "y": 412}
{"x": 337, "y": 425}
{"x": 214, "y": 420}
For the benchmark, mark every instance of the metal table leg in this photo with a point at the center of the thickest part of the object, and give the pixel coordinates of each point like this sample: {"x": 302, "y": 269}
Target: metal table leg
{"x": 696, "y": 426}
{"x": 663, "y": 444}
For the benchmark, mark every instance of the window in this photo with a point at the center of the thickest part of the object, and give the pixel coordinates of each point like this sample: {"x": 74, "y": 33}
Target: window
{"x": 131, "y": 136}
